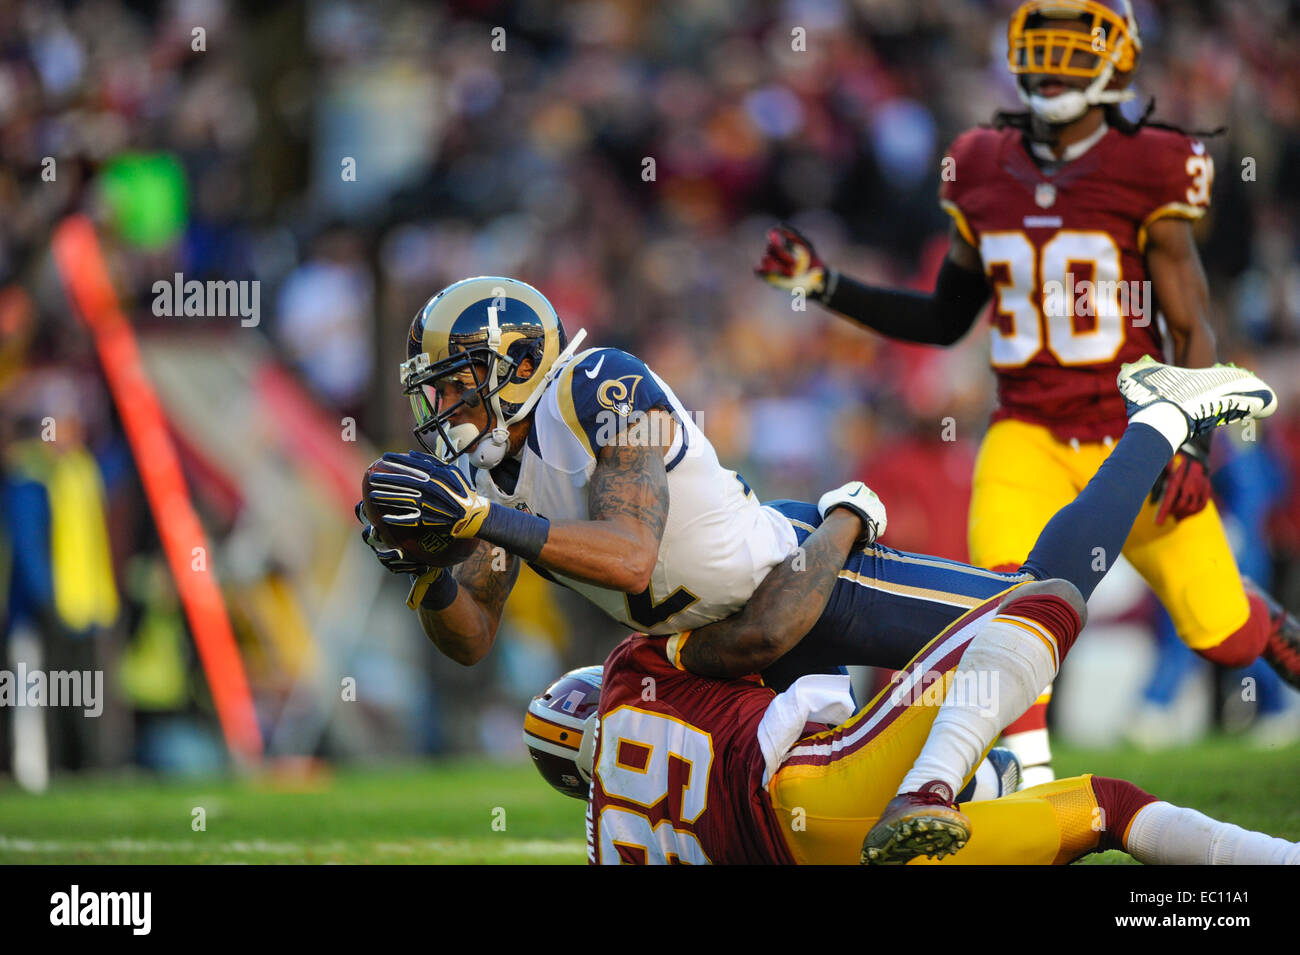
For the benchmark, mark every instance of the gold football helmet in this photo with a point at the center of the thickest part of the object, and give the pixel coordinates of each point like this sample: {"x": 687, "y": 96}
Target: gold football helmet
{"x": 465, "y": 348}
{"x": 1095, "y": 40}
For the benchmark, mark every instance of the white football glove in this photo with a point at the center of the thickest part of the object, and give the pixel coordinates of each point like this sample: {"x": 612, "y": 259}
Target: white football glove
{"x": 863, "y": 501}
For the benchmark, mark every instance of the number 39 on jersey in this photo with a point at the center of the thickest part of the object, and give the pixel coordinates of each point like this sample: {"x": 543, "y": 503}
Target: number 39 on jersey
{"x": 662, "y": 765}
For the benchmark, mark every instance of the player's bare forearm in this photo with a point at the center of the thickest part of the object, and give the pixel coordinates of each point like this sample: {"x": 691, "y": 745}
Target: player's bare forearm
{"x": 783, "y": 608}
{"x": 466, "y": 629}
{"x": 628, "y": 504}
{"x": 1178, "y": 281}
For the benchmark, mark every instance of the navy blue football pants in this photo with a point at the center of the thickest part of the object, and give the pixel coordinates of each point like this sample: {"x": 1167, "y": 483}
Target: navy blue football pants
{"x": 888, "y": 604}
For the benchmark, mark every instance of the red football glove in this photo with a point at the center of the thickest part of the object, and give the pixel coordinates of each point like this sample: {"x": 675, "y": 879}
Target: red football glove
{"x": 790, "y": 262}
{"x": 1183, "y": 489}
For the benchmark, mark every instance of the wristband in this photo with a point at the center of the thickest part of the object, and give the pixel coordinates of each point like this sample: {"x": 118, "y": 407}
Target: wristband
{"x": 433, "y": 590}
{"x": 519, "y": 532}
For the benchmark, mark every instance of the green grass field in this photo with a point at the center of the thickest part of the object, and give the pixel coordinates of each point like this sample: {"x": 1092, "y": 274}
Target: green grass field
{"x": 445, "y": 812}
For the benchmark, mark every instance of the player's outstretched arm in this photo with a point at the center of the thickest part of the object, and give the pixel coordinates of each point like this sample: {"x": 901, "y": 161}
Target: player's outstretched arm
{"x": 465, "y": 629}
{"x": 783, "y": 608}
{"x": 941, "y": 317}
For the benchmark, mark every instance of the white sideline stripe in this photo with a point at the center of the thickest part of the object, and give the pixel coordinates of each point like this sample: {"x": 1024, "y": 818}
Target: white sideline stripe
{"x": 904, "y": 691}
{"x": 258, "y": 846}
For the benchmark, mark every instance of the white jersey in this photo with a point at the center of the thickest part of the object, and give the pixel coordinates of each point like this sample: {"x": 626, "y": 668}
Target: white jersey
{"x": 719, "y": 542}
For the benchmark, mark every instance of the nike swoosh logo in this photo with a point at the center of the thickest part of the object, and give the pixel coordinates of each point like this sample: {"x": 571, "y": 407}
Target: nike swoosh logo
{"x": 595, "y": 371}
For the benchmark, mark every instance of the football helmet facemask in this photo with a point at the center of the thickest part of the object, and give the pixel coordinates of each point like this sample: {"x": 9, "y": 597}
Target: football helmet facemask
{"x": 465, "y": 348}
{"x": 1100, "y": 44}
{"x": 560, "y": 730}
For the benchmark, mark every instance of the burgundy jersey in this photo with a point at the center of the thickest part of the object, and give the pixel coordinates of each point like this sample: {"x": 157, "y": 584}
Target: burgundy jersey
{"x": 1064, "y": 253}
{"x": 678, "y": 772}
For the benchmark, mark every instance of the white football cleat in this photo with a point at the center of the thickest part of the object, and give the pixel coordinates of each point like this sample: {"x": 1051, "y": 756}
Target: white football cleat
{"x": 863, "y": 501}
{"x": 1208, "y": 397}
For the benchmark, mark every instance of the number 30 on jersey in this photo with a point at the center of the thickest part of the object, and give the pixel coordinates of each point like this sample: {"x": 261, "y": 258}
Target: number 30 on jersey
{"x": 1026, "y": 320}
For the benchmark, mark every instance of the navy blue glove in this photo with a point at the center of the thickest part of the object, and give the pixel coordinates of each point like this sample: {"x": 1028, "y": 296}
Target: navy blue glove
{"x": 427, "y": 494}
{"x": 424, "y": 579}
{"x": 391, "y": 557}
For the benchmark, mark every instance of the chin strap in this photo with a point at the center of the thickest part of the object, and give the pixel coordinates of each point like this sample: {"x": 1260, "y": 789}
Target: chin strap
{"x": 491, "y": 449}
{"x": 1068, "y": 106}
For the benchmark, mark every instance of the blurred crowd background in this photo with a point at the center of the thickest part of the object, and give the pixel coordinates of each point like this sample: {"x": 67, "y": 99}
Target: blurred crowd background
{"x": 625, "y": 157}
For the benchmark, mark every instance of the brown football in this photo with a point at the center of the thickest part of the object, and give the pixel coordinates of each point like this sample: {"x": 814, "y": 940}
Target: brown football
{"x": 421, "y": 546}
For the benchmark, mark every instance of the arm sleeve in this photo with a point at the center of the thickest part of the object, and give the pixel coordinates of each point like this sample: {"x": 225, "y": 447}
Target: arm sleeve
{"x": 939, "y": 318}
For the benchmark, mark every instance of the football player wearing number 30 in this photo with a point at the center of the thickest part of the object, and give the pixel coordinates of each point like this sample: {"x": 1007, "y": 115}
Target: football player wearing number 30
{"x": 1066, "y": 215}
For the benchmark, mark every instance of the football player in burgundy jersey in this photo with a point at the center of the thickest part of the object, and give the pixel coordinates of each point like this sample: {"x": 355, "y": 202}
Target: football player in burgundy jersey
{"x": 683, "y": 769}
{"x": 1078, "y": 225}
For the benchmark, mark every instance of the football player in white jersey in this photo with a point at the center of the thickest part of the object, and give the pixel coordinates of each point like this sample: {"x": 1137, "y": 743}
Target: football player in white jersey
{"x": 588, "y": 466}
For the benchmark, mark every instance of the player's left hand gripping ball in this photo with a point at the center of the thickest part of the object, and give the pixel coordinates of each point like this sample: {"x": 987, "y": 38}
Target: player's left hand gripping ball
{"x": 391, "y": 557}
{"x": 419, "y": 491}
{"x": 864, "y": 502}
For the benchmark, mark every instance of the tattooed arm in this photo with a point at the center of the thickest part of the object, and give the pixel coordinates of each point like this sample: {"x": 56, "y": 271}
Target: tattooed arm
{"x": 783, "y": 608}
{"x": 628, "y": 504}
{"x": 466, "y": 629}
{"x": 617, "y": 548}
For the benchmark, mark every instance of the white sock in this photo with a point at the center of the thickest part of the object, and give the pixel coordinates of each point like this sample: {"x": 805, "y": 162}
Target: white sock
{"x": 1164, "y": 834}
{"x": 1034, "y": 750}
{"x": 1167, "y": 418}
{"x": 1021, "y": 663}
{"x": 988, "y": 784}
